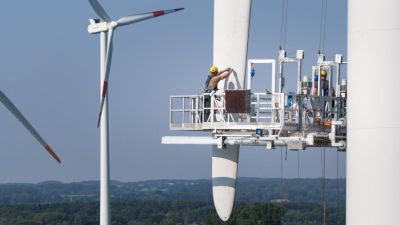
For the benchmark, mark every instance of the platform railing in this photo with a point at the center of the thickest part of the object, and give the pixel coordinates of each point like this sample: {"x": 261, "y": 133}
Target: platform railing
{"x": 209, "y": 109}
{"x": 314, "y": 110}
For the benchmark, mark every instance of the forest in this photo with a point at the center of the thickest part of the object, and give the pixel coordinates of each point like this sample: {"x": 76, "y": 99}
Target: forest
{"x": 186, "y": 202}
{"x": 167, "y": 213}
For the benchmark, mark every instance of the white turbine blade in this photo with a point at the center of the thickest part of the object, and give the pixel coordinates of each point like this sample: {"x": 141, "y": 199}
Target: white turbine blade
{"x": 231, "y": 31}
{"x": 107, "y": 71}
{"x": 100, "y": 10}
{"x": 144, "y": 16}
{"x": 224, "y": 176}
{"x": 13, "y": 109}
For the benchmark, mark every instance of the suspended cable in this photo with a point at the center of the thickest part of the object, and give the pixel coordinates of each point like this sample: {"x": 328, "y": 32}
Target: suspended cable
{"x": 298, "y": 185}
{"x": 281, "y": 183}
{"x": 323, "y": 162}
{"x": 326, "y": 13}
{"x": 322, "y": 27}
{"x": 282, "y": 40}
{"x": 337, "y": 178}
{"x": 281, "y": 166}
{"x": 286, "y": 153}
{"x": 282, "y": 17}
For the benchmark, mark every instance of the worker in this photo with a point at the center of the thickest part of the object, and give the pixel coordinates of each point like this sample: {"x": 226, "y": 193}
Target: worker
{"x": 324, "y": 84}
{"x": 211, "y": 86}
{"x": 326, "y": 90}
{"x": 216, "y": 76}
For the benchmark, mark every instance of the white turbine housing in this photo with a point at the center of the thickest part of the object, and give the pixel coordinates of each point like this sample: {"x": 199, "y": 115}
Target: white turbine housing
{"x": 95, "y": 28}
{"x": 373, "y": 166}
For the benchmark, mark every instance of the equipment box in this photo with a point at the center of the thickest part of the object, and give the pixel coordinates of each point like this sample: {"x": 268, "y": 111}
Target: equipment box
{"x": 237, "y": 101}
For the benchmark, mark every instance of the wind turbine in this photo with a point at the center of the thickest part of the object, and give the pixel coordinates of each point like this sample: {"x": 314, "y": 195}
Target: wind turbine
{"x": 14, "y": 110}
{"x": 107, "y": 26}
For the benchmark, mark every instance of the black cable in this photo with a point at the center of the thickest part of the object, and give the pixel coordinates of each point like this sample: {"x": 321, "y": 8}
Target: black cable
{"x": 283, "y": 9}
{"x": 337, "y": 170}
{"x": 320, "y": 26}
{"x": 298, "y": 185}
{"x": 286, "y": 153}
{"x": 281, "y": 164}
{"x": 324, "y": 186}
{"x": 337, "y": 179}
{"x": 281, "y": 184}
{"x": 325, "y": 12}
{"x": 284, "y": 40}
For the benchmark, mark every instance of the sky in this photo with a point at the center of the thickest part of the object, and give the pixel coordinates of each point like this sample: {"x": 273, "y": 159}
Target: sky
{"x": 50, "y": 70}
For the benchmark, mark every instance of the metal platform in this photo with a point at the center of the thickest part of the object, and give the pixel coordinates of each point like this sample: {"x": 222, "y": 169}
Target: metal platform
{"x": 313, "y": 120}
{"x": 240, "y": 117}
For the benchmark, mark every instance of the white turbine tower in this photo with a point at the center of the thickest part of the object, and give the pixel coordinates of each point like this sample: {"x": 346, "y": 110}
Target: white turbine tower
{"x": 106, "y": 48}
{"x": 13, "y": 109}
{"x": 373, "y": 155}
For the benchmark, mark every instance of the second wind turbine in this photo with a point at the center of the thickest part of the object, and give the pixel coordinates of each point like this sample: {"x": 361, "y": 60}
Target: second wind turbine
{"x": 106, "y": 28}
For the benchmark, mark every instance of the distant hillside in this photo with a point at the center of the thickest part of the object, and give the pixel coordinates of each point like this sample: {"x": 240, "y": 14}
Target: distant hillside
{"x": 137, "y": 212}
{"x": 248, "y": 190}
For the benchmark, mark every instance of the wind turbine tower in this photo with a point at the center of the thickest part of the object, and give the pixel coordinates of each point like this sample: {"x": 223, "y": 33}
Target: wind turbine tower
{"x": 106, "y": 28}
{"x": 373, "y": 167}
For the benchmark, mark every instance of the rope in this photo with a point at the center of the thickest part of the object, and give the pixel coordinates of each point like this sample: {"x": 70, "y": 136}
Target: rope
{"x": 281, "y": 183}
{"x": 281, "y": 165}
{"x": 322, "y": 27}
{"x": 280, "y": 38}
{"x": 284, "y": 40}
{"x": 337, "y": 179}
{"x": 286, "y": 153}
{"x": 324, "y": 186}
{"x": 285, "y": 4}
{"x": 298, "y": 181}
{"x": 326, "y": 13}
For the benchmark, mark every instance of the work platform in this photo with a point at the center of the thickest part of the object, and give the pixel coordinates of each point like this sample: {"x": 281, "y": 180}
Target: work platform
{"x": 241, "y": 117}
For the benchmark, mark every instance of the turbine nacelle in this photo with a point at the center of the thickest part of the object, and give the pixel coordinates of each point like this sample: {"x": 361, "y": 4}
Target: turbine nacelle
{"x": 97, "y": 26}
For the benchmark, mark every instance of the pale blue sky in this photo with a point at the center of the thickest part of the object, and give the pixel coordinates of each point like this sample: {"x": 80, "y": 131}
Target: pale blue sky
{"x": 50, "y": 68}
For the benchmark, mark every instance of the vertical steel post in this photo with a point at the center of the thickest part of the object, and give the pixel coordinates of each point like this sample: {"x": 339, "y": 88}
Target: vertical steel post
{"x": 299, "y": 68}
{"x": 281, "y": 78}
{"x": 337, "y": 79}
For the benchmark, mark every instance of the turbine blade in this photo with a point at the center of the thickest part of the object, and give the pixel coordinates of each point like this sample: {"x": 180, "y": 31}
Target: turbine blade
{"x": 100, "y": 10}
{"x": 107, "y": 71}
{"x": 144, "y": 16}
{"x": 13, "y": 109}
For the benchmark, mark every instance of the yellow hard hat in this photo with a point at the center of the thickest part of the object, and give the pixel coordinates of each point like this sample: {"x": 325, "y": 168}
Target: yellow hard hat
{"x": 323, "y": 72}
{"x": 214, "y": 69}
